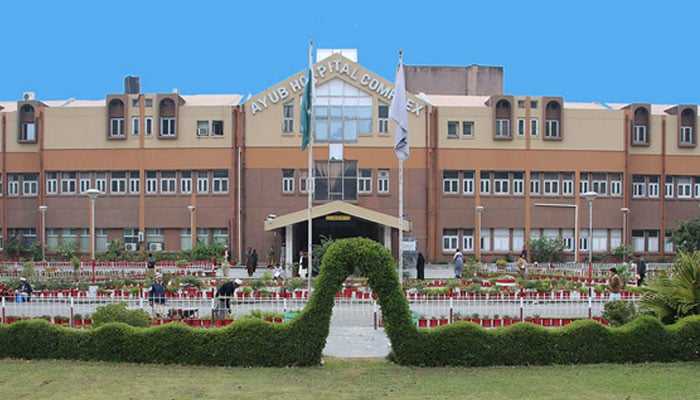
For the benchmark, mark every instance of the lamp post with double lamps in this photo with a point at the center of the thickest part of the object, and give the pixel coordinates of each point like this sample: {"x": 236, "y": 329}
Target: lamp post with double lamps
{"x": 590, "y": 196}
{"x": 42, "y": 209}
{"x": 479, "y": 210}
{"x": 624, "y": 211}
{"x": 92, "y": 194}
{"x": 193, "y": 236}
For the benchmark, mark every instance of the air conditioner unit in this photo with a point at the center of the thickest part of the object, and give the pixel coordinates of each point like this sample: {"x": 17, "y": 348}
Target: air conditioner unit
{"x": 155, "y": 246}
{"x": 202, "y": 132}
{"x": 130, "y": 246}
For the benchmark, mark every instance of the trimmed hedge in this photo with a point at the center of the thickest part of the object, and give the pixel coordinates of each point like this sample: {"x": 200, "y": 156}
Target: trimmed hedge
{"x": 253, "y": 342}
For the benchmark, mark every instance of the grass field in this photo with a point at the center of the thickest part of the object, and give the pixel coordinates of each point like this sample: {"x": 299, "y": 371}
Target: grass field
{"x": 345, "y": 379}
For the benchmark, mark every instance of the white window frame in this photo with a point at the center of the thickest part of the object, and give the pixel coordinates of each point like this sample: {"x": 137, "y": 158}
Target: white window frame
{"x": 168, "y": 182}
{"x": 135, "y": 123}
{"x": 640, "y": 134}
{"x": 668, "y": 186}
{"x": 501, "y": 184}
{"x": 85, "y": 182}
{"x": 503, "y": 128}
{"x": 467, "y": 239}
{"x": 684, "y": 187}
{"x": 600, "y": 184}
{"x": 134, "y": 182}
{"x": 287, "y": 181}
{"x": 616, "y": 185}
{"x": 303, "y": 173}
{"x": 117, "y": 183}
{"x": 30, "y": 187}
{"x": 151, "y": 182}
{"x": 534, "y": 127}
{"x": 521, "y": 127}
{"x": 686, "y": 135}
{"x": 288, "y": 118}
{"x": 638, "y": 186}
{"x": 202, "y": 182}
{"x": 186, "y": 182}
{"x": 468, "y": 182}
{"x": 364, "y": 181}
{"x": 13, "y": 185}
{"x": 653, "y": 186}
{"x": 167, "y": 126}
{"x": 149, "y": 126}
{"x": 567, "y": 184}
{"x": 501, "y": 239}
{"x": 219, "y": 181}
{"x": 551, "y": 184}
{"x": 116, "y": 127}
{"x": 450, "y": 182}
{"x": 518, "y": 183}
{"x": 202, "y": 128}
{"x": 383, "y": 118}
{"x": 68, "y": 183}
{"x": 101, "y": 181}
{"x": 485, "y": 182}
{"x": 552, "y": 128}
{"x": 383, "y": 181}
{"x": 653, "y": 241}
{"x": 467, "y": 129}
{"x": 450, "y": 240}
{"x": 217, "y": 128}
{"x": 535, "y": 183}
{"x": 453, "y": 129}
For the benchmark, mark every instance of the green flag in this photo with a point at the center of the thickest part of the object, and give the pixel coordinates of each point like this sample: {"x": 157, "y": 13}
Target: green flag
{"x": 306, "y": 110}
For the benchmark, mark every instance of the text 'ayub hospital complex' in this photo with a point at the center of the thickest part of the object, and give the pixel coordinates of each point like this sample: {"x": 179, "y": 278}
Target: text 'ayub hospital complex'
{"x": 487, "y": 171}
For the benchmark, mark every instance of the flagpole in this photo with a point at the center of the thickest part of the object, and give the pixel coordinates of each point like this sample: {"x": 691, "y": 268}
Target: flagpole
{"x": 400, "y": 202}
{"x": 309, "y": 175}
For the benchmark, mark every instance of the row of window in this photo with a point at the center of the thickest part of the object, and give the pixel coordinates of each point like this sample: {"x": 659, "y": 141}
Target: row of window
{"x": 154, "y": 238}
{"x": 513, "y": 240}
{"x": 120, "y": 182}
{"x": 681, "y": 187}
{"x": 214, "y": 128}
{"x": 336, "y": 180}
{"x": 545, "y": 183}
{"x": 465, "y": 129}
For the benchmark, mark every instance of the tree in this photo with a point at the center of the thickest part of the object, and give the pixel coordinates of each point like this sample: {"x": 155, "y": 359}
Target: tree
{"x": 686, "y": 237}
{"x": 677, "y": 294}
{"x": 546, "y": 250}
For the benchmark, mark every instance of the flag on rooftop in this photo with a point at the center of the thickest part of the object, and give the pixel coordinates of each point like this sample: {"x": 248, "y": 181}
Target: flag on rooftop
{"x": 398, "y": 113}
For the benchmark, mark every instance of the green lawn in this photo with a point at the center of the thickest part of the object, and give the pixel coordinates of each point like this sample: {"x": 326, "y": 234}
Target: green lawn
{"x": 345, "y": 379}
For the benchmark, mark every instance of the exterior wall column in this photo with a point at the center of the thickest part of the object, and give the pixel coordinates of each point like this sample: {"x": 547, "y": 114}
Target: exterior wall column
{"x": 288, "y": 250}
{"x": 387, "y": 237}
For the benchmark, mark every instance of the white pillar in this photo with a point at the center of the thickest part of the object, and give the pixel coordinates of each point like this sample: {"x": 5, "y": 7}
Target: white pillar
{"x": 288, "y": 250}
{"x": 387, "y": 236}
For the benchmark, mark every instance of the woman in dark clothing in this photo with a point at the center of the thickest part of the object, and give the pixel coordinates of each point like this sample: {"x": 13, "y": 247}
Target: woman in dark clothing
{"x": 420, "y": 267}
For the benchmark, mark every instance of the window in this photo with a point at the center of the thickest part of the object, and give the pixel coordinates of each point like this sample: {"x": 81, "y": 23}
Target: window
{"x": 69, "y": 236}
{"x": 303, "y": 174}
{"x": 615, "y": 238}
{"x": 68, "y": 183}
{"x": 364, "y": 181}
{"x": 84, "y": 182}
{"x": 154, "y": 235}
{"x": 335, "y": 180}
{"x": 134, "y": 182}
{"x": 101, "y": 181}
{"x": 13, "y": 185}
{"x": 450, "y": 240}
{"x": 468, "y": 239}
{"x": 116, "y": 127}
{"x": 551, "y": 184}
{"x": 167, "y": 126}
{"x": 567, "y": 235}
{"x": 450, "y": 182}
{"x": 534, "y": 127}
{"x": 535, "y": 183}
{"x": 669, "y": 187}
{"x": 502, "y": 128}
{"x": 219, "y": 181}
{"x": 84, "y": 244}
{"x": 567, "y": 184}
{"x": 468, "y": 182}
{"x": 485, "y": 239}
{"x": 467, "y": 129}
{"x": 521, "y": 126}
{"x": 28, "y": 237}
{"x": 684, "y": 186}
{"x": 28, "y": 133}
{"x": 638, "y": 186}
{"x": 135, "y": 121}
{"x": 131, "y": 235}
{"x": 342, "y": 112}
{"x": 185, "y": 239}
{"x": 30, "y": 184}
{"x": 638, "y": 240}
{"x": 640, "y": 134}
{"x": 202, "y": 128}
{"x": 686, "y": 135}
{"x": 202, "y": 182}
{"x": 485, "y": 182}
{"x": 288, "y": 117}
{"x": 185, "y": 181}
{"x": 600, "y": 239}
{"x": 501, "y": 183}
{"x": 583, "y": 241}
{"x": 217, "y": 128}
{"x": 533, "y": 103}
{"x": 518, "y": 183}
{"x": 383, "y": 120}
{"x": 149, "y": 126}
{"x": 383, "y": 181}
{"x": 653, "y": 241}
{"x": 51, "y": 238}
{"x": 696, "y": 187}
{"x": 584, "y": 185}
{"x": 501, "y": 239}
{"x": 452, "y": 129}
{"x": 668, "y": 243}
{"x": 219, "y": 236}
{"x": 600, "y": 184}
{"x": 552, "y": 128}
{"x": 287, "y": 181}
{"x": 118, "y": 182}
{"x": 203, "y": 236}
{"x": 151, "y": 182}
{"x": 168, "y": 182}
{"x": 518, "y": 238}
{"x": 615, "y": 184}
{"x": 521, "y": 103}
{"x": 51, "y": 183}
{"x": 654, "y": 186}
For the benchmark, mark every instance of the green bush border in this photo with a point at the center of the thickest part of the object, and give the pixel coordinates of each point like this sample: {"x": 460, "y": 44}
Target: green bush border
{"x": 253, "y": 342}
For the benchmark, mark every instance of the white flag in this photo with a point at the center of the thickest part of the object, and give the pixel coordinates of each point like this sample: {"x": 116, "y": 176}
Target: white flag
{"x": 398, "y": 113}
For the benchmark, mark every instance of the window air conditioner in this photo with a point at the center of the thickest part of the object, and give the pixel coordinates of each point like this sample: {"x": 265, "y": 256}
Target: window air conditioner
{"x": 202, "y": 132}
{"x": 130, "y": 246}
{"x": 155, "y": 246}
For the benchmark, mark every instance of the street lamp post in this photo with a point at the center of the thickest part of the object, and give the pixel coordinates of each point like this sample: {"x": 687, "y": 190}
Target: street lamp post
{"x": 92, "y": 194}
{"x": 624, "y": 211}
{"x": 575, "y": 207}
{"x": 193, "y": 238}
{"x": 42, "y": 209}
{"x": 479, "y": 210}
{"x": 590, "y": 196}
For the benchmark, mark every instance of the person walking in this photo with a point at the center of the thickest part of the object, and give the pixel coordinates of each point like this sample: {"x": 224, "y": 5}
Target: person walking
{"x": 271, "y": 257}
{"x": 458, "y": 259}
{"x": 420, "y": 267}
{"x": 156, "y": 296}
{"x": 614, "y": 285}
{"x": 641, "y": 270}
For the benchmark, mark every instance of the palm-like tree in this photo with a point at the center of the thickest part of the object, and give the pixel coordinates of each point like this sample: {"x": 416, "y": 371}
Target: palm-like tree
{"x": 677, "y": 294}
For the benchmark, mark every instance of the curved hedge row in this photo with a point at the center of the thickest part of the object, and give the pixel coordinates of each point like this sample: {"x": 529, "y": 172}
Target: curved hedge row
{"x": 253, "y": 342}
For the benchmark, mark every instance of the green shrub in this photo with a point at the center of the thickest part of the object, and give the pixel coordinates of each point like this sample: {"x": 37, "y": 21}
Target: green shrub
{"x": 619, "y": 312}
{"x": 119, "y": 313}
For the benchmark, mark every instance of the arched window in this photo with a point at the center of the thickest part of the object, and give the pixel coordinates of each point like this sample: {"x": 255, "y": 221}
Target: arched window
{"x": 687, "y": 128}
{"x": 640, "y": 127}
{"x": 167, "y": 112}
{"x": 553, "y": 120}
{"x": 116, "y": 118}
{"x": 503, "y": 116}
{"x": 27, "y": 130}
